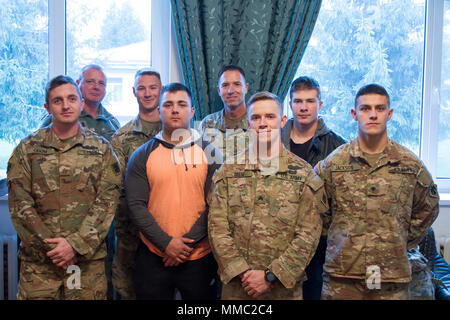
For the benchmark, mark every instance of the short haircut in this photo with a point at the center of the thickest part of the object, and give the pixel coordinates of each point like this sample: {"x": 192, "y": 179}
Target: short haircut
{"x": 372, "y": 88}
{"x": 265, "y": 95}
{"x": 59, "y": 81}
{"x": 305, "y": 83}
{"x": 174, "y": 87}
{"x": 146, "y": 72}
{"x": 230, "y": 68}
{"x": 90, "y": 66}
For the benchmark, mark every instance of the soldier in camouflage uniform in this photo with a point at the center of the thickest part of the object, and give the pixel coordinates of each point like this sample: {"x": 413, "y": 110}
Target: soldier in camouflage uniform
{"x": 147, "y": 88}
{"x": 92, "y": 83}
{"x": 227, "y": 127}
{"x": 265, "y": 214}
{"x": 383, "y": 201}
{"x": 63, "y": 184}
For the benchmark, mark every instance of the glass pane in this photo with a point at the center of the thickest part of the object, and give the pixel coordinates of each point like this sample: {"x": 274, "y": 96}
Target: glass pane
{"x": 357, "y": 42}
{"x": 443, "y": 165}
{"x": 116, "y": 35}
{"x": 23, "y": 71}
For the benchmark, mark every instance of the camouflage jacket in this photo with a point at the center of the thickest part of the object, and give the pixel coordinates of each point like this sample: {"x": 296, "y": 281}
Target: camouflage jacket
{"x": 258, "y": 221}
{"x": 63, "y": 188}
{"x": 378, "y": 212}
{"x": 130, "y": 137}
{"x": 125, "y": 141}
{"x": 229, "y": 141}
{"x": 104, "y": 125}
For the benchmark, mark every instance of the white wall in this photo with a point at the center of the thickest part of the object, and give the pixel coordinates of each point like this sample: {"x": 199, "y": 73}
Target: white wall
{"x": 441, "y": 226}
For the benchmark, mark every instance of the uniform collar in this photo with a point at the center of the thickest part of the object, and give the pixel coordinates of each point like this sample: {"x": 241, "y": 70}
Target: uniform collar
{"x": 102, "y": 113}
{"x": 138, "y": 127}
{"x": 223, "y": 121}
{"x": 390, "y": 153}
{"x": 51, "y": 140}
{"x": 282, "y": 165}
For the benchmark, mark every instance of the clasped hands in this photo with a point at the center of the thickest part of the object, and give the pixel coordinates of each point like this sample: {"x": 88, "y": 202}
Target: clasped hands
{"x": 63, "y": 255}
{"x": 177, "y": 252}
{"x": 254, "y": 283}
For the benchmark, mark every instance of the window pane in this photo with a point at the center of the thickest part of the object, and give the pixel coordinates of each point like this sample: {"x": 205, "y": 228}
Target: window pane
{"x": 23, "y": 71}
{"x": 116, "y": 35}
{"x": 443, "y": 168}
{"x": 357, "y": 42}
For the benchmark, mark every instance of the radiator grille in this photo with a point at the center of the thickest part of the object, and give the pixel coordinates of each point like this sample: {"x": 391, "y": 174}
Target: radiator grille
{"x": 8, "y": 267}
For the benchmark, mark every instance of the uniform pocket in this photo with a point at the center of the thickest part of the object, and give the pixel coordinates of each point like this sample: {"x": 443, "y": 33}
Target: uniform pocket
{"x": 44, "y": 177}
{"x": 287, "y": 200}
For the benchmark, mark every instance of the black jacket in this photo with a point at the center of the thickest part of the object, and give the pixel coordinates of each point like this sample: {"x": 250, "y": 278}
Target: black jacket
{"x": 324, "y": 141}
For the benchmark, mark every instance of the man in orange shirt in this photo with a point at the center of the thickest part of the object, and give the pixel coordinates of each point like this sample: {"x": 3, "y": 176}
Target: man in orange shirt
{"x": 166, "y": 186}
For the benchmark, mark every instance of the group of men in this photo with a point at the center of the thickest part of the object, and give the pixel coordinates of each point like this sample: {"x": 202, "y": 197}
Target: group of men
{"x": 232, "y": 211}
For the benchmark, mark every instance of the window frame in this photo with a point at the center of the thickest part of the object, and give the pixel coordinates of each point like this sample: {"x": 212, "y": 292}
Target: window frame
{"x": 161, "y": 44}
{"x": 431, "y": 87}
{"x": 170, "y": 68}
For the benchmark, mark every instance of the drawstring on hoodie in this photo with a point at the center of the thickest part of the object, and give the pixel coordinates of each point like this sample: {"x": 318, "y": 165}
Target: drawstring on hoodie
{"x": 184, "y": 157}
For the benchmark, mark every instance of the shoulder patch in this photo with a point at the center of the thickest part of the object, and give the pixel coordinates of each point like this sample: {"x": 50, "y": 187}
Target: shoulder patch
{"x": 433, "y": 191}
{"x": 116, "y": 167}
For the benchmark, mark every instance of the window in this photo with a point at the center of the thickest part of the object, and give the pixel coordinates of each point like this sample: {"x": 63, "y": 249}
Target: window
{"x": 359, "y": 42}
{"x": 356, "y": 42}
{"x": 24, "y": 63}
{"x": 115, "y": 90}
{"x": 116, "y": 35}
{"x": 443, "y": 165}
{"x": 40, "y": 39}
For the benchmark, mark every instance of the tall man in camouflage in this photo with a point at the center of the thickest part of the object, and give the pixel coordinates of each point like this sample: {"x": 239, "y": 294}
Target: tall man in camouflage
{"x": 383, "y": 201}
{"x": 307, "y": 136}
{"x": 147, "y": 88}
{"x": 92, "y": 83}
{"x": 63, "y": 184}
{"x": 265, "y": 212}
{"x": 225, "y": 129}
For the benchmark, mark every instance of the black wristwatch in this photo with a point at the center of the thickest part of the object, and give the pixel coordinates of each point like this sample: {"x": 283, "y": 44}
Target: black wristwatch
{"x": 269, "y": 276}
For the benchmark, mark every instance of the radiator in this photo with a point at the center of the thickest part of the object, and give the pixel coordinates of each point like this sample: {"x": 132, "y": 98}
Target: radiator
{"x": 8, "y": 267}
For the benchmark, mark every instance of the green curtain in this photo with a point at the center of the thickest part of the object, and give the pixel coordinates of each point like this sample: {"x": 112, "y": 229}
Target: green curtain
{"x": 267, "y": 38}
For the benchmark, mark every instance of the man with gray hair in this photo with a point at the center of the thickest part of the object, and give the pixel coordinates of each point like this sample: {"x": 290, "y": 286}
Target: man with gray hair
{"x": 92, "y": 84}
{"x": 147, "y": 88}
{"x": 265, "y": 212}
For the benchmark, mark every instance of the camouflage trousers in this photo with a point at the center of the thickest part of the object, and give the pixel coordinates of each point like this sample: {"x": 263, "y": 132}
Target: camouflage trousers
{"x": 44, "y": 281}
{"x": 335, "y": 288}
{"x": 122, "y": 268}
